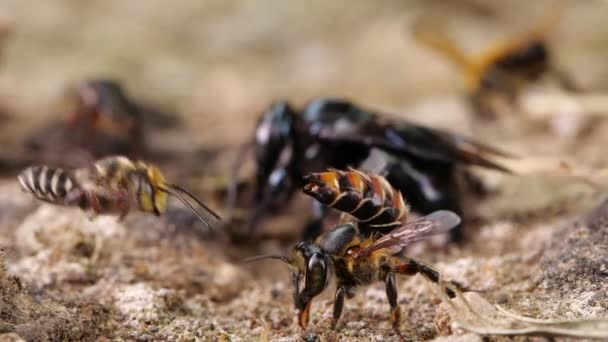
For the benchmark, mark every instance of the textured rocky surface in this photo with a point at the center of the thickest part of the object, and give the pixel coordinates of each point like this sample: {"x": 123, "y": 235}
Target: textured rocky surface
{"x": 66, "y": 276}
{"x": 538, "y": 244}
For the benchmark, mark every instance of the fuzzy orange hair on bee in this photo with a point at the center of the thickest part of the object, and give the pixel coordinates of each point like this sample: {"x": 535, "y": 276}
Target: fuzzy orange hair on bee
{"x": 110, "y": 185}
{"x": 368, "y": 198}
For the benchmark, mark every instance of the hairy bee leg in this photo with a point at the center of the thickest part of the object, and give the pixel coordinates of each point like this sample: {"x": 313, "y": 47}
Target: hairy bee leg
{"x": 338, "y": 306}
{"x": 391, "y": 294}
{"x": 93, "y": 202}
{"x": 122, "y": 200}
{"x": 412, "y": 267}
{"x": 84, "y": 200}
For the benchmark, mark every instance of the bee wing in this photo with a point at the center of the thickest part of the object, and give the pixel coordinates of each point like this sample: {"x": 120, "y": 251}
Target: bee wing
{"x": 474, "y": 152}
{"x": 435, "y": 223}
{"x": 402, "y": 137}
{"x": 434, "y": 34}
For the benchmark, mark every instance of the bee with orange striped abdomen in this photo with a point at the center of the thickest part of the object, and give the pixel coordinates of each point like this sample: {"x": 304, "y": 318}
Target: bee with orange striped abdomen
{"x": 362, "y": 251}
{"x": 112, "y": 185}
{"x": 370, "y": 199}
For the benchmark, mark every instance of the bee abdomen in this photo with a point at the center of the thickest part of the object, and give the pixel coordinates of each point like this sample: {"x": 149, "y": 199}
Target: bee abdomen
{"x": 47, "y": 183}
{"x": 369, "y": 198}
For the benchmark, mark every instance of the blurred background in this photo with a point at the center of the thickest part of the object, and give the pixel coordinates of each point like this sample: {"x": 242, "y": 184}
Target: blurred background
{"x": 218, "y": 64}
{"x": 208, "y": 69}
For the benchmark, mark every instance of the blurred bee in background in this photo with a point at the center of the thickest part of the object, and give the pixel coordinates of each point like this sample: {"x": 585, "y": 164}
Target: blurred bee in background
{"x": 502, "y": 70}
{"x": 112, "y": 185}
{"x": 99, "y": 119}
{"x": 423, "y": 162}
{"x": 361, "y": 250}
{"x": 104, "y": 118}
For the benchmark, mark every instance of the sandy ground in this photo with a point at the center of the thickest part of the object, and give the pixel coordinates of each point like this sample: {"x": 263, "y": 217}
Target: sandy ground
{"x": 534, "y": 248}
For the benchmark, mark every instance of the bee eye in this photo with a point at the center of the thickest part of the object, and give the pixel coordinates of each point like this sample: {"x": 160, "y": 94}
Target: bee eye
{"x": 316, "y": 274}
{"x": 316, "y": 261}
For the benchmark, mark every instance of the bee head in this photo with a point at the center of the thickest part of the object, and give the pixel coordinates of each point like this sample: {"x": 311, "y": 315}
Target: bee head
{"x": 310, "y": 269}
{"x": 273, "y": 130}
{"x": 157, "y": 180}
{"x": 161, "y": 190}
{"x": 309, "y": 261}
{"x": 149, "y": 184}
{"x": 273, "y": 134}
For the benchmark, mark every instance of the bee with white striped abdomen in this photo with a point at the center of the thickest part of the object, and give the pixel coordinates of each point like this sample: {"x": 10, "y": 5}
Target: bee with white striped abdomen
{"x": 112, "y": 185}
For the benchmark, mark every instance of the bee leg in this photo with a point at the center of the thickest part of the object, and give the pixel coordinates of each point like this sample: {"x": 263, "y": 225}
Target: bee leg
{"x": 122, "y": 200}
{"x": 412, "y": 267}
{"x": 84, "y": 200}
{"x": 93, "y": 203}
{"x": 338, "y": 306}
{"x": 391, "y": 294}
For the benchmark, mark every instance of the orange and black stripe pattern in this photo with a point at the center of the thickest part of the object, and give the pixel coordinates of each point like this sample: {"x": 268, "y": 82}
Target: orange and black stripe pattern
{"x": 368, "y": 198}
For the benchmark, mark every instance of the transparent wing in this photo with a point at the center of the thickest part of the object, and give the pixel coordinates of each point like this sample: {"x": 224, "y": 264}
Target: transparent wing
{"x": 435, "y": 223}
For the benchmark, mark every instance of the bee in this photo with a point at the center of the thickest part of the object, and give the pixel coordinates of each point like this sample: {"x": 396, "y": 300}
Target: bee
{"x": 101, "y": 106}
{"x": 99, "y": 119}
{"x": 424, "y": 162}
{"x": 358, "y": 253}
{"x": 501, "y": 70}
{"x": 112, "y": 185}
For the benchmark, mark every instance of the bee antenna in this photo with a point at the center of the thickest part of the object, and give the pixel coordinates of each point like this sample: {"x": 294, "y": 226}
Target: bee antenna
{"x": 173, "y": 190}
{"x": 261, "y": 257}
{"x": 195, "y": 199}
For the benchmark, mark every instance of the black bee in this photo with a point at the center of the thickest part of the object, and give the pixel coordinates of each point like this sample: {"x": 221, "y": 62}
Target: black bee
{"x": 423, "y": 162}
{"x": 362, "y": 251}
